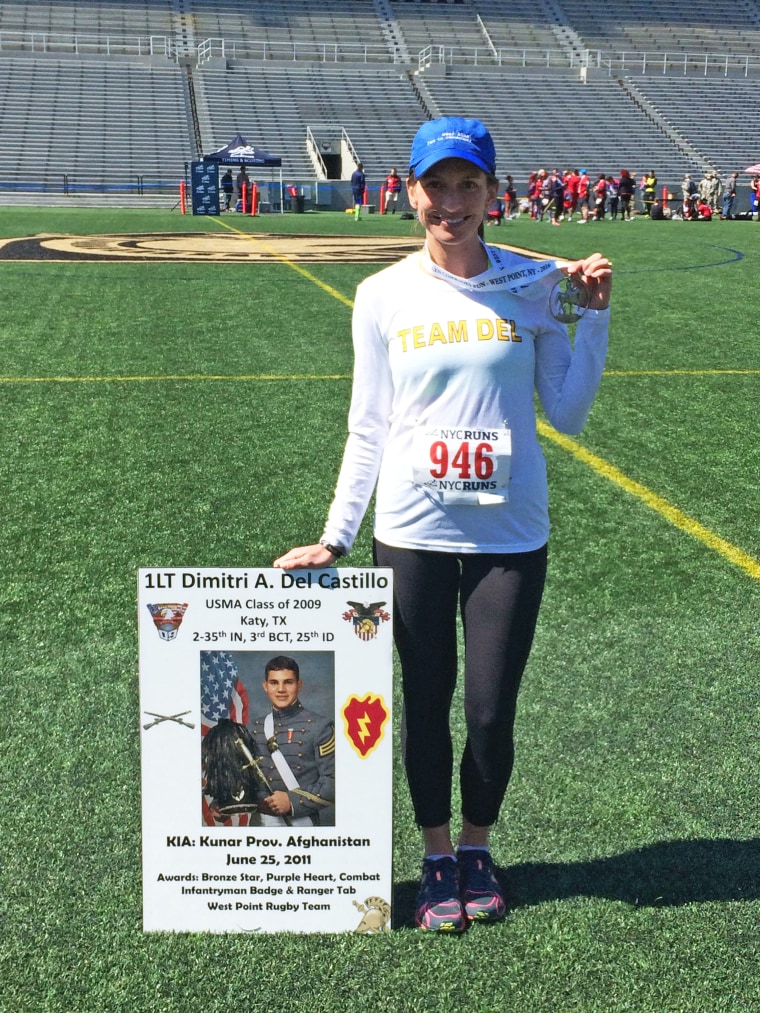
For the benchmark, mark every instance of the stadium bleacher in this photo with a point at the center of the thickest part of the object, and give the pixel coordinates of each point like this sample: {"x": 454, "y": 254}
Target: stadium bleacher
{"x": 549, "y": 137}
{"x": 101, "y": 94}
{"x": 289, "y": 21}
{"x": 376, "y": 109}
{"x": 125, "y": 17}
{"x": 659, "y": 26}
{"x": 94, "y": 123}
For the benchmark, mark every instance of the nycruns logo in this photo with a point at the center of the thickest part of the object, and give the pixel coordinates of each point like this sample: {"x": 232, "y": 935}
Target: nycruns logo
{"x": 197, "y": 247}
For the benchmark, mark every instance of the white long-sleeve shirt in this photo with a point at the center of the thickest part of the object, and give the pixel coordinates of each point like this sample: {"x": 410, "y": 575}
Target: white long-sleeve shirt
{"x": 444, "y": 377}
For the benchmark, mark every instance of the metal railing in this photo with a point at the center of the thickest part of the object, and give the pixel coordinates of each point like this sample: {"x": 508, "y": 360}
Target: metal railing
{"x": 346, "y": 141}
{"x": 462, "y": 56}
{"x": 70, "y": 185}
{"x": 82, "y": 44}
{"x": 292, "y": 52}
{"x": 315, "y": 153}
{"x": 614, "y": 63}
{"x": 704, "y": 64}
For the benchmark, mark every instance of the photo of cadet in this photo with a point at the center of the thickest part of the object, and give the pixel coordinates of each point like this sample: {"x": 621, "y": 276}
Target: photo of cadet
{"x": 296, "y": 750}
{"x": 278, "y": 767}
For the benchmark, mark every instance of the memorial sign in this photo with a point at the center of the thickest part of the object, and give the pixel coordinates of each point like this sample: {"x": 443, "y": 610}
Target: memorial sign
{"x": 265, "y": 703}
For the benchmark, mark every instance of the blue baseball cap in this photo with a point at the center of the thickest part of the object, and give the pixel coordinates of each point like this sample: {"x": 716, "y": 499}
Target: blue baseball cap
{"x": 452, "y": 137}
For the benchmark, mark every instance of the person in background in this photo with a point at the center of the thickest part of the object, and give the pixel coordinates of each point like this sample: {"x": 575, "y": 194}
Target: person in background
{"x": 600, "y": 197}
{"x": 534, "y": 195}
{"x": 510, "y": 197}
{"x": 716, "y": 189}
{"x": 584, "y": 196}
{"x": 704, "y": 211}
{"x": 613, "y": 196}
{"x": 228, "y": 188}
{"x": 445, "y": 432}
{"x": 729, "y": 195}
{"x": 358, "y": 187}
{"x": 754, "y": 189}
{"x": 558, "y": 197}
{"x": 547, "y": 193}
{"x": 649, "y": 191}
{"x": 690, "y": 193}
{"x": 392, "y": 190}
{"x": 705, "y": 187}
{"x": 495, "y": 212}
{"x": 626, "y": 190}
{"x": 243, "y": 182}
{"x": 572, "y": 182}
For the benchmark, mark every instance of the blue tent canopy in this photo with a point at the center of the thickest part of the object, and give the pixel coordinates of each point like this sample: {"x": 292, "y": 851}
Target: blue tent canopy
{"x": 240, "y": 152}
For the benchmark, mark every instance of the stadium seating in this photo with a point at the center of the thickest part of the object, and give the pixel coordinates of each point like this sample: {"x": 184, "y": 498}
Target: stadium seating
{"x": 712, "y": 113}
{"x": 547, "y": 136}
{"x": 121, "y": 18}
{"x": 97, "y": 94}
{"x": 658, "y": 26}
{"x": 376, "y": 108}
{"x": 70, "y": 123}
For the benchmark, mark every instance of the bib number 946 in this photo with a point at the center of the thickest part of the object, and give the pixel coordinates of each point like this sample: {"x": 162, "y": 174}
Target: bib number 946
{"x": 464, "y": 465}
{"x": 467, "y": 460}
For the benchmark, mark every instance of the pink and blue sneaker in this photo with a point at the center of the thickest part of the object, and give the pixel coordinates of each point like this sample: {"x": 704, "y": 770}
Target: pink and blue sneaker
{"x": 480, "y": 892}
{"x": 439, "y": 908}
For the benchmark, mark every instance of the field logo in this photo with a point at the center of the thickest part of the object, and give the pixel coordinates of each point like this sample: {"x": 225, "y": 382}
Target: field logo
{"x": 168, "y": 618}
{"x": 365, "y": 722}
{"x": 366, "y": 618}
{"x": 212, "y": 246}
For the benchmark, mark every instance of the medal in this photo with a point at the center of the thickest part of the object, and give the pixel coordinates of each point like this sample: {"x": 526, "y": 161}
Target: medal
{"x": 569, "y": 300}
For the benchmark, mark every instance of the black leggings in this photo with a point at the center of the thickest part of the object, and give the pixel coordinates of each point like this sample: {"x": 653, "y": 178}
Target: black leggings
{"x": 499, "y": 597}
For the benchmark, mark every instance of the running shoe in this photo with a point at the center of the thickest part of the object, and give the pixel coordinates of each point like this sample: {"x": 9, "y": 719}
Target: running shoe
{"x": 482, "y": 898}
{"x": 439, "y": 908}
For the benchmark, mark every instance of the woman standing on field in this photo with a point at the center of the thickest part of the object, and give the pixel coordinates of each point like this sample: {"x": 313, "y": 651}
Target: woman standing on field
{"x": 449, "y": 345}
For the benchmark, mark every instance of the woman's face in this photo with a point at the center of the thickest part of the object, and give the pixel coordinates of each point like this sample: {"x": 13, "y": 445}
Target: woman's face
{"x": 451, "y": 200}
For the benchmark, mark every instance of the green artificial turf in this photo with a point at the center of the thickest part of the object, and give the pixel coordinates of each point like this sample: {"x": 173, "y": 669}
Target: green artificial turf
{"x": 629, "y": 842}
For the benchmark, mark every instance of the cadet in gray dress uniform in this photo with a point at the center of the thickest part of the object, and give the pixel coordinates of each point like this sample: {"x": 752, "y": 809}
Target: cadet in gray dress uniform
{"x": 295, "y": 749}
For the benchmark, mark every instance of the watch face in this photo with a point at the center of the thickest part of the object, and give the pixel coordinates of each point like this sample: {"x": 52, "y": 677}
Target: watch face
{"x": 569, "y": 300}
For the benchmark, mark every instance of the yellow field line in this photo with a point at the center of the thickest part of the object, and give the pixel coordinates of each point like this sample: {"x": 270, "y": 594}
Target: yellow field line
{"x": 177, "y": 376}
{"x": 330, "y": 376}
{"x": 295, "y": 267}
{"x": 682, "y": 372}
{"x": 672, "y": 514}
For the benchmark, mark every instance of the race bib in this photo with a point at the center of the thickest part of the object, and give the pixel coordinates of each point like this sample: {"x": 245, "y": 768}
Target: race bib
{"x": 463, "y": 465}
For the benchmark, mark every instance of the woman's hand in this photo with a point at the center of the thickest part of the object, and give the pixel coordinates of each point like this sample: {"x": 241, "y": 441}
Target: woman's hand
{"x": 306, "y": 557}
{"x": 595, "y": 274}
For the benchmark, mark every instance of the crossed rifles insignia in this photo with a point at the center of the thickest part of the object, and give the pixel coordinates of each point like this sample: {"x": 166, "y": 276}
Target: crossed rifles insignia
{"x": 160, "y": 718}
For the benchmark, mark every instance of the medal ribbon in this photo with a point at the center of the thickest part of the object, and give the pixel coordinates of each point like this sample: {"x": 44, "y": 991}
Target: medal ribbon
{"x": 518, "y": 275}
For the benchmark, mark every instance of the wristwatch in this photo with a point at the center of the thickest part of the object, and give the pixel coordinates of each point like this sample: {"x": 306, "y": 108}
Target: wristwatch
{"x": 337, "y": 550}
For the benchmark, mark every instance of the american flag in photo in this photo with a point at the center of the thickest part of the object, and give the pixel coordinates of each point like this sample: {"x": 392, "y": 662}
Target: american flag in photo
{"x": 223, "y": 695}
